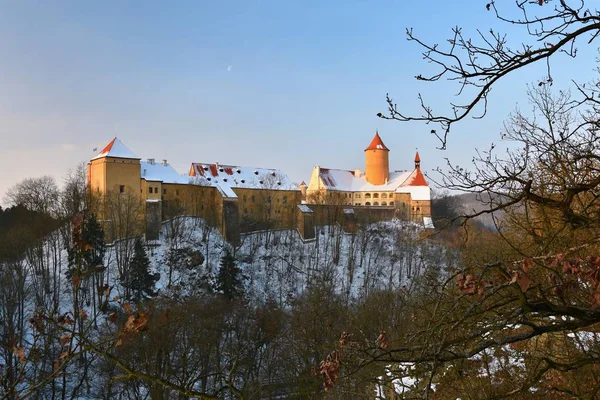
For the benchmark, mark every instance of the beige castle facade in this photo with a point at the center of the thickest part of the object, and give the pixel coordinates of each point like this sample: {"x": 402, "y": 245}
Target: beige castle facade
{"x": 136, "y": 195}
{"x": 233, "y": 198}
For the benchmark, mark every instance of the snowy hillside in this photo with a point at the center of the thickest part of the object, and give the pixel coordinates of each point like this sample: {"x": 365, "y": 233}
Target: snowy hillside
{"x": 278, "y": 265}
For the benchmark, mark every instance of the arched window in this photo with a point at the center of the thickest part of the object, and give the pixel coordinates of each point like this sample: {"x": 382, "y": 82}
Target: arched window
{"x": 367, "y": 195}
{"x": 367, "y": 203}
{"x": 384, "y": 195}
{"x": 375, "y": 195}
{"x": 383, "y": 203}
{"x": 391, "y": 203}
{"x": 375, "y": 203}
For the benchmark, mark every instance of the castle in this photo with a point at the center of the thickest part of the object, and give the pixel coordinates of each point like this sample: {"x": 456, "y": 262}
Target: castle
{"x": 407, "y": 192}
{"x": 239, "y": 199}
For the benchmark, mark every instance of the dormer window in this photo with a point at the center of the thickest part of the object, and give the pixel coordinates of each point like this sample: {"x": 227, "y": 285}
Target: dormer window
{"x": 255, "y": 172}
{"x": 224, "y": 179}
{"x": 261, "y": 182}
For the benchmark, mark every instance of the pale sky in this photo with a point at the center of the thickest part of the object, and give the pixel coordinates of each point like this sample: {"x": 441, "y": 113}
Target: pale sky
{"x": 275, "y": 84}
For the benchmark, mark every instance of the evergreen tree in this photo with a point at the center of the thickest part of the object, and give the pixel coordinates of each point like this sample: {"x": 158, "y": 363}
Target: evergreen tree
{"x": 93, "y": 239}
{"x": 141, "y": 281}
{"x": 87, "y": 252}
{"x": 230, "y": 278}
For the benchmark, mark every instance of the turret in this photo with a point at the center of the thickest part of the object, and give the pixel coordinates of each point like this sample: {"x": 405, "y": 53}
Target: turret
{"x": 377, "y": 164}
{"x": 303, "y": 188}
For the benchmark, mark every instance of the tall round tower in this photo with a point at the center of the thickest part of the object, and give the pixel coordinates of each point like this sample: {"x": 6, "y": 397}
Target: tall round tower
{"x": 377, "y": 163}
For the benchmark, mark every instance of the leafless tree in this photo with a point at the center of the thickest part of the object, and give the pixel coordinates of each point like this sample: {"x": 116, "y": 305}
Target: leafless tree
{"x": 480, "y": 63}
{"x": 37, "y": 194}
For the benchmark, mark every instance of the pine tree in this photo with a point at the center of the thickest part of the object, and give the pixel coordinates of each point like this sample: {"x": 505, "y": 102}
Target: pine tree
{"x": 230, "y": 278}
{"x": 87, "y": 253}
{"x": 93, "y": 239}
{"x": 141, "y": 281}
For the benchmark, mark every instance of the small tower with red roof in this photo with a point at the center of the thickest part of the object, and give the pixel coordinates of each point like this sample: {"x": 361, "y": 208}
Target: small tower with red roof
{"x": 377, "y": 162}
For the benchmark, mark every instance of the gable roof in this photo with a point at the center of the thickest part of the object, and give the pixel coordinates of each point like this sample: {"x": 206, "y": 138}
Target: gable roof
{"x": 377, "y": 143}
{"x": 116, "y": 149}
{"x": 226, "y": 177}
{"x": 416, "y": 178}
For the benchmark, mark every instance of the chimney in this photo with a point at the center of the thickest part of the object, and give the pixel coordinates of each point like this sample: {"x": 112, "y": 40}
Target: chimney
{"x": 151, "y": 161}
{"x": 144, "y": 172}
{"x": 165, "y": 163}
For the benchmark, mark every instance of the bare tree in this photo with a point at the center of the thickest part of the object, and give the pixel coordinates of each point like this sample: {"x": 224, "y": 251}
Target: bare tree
{"x": 478, "y": 64}
{"x": 36, "y": 194}
{"x": 535, "y": 281}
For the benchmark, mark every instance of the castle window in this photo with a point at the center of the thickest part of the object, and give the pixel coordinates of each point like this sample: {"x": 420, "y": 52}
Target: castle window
{"x": 367, "y": 196}
{"x": 384, "y": 195}
{"x": 375, "y": 203}
{"x": 375, "y": 195}
{"x": 357, "y": 204}
{"x": 149, "y": 189}
{"x": 253, "y": 198}
{"x": 284, "y": 200}
{"x": 121, "y": 188}
{"x": 357, "y": 195}
{"x": 164, "y": 191}
{"x": 367, "y": 203}
{"x": 391, "y": 203}
{"x": 383, "y": 203}
{"x": 245, "y": 198}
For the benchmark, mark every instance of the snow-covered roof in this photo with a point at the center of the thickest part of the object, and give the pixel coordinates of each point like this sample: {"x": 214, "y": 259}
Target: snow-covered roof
{"x": 116, "y": 149}
{"x": 412, "y": 182}
{"x": 304, "y": 208}
{"x": 416, "y": 192}
{"x": 163, "y": 172}
{"x": 226, "y": 177}
{"x": 348, "y": 181}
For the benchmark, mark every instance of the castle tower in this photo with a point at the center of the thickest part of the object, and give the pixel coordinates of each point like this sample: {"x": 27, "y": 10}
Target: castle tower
{"x": 377, "y": 164}
{"x": 114, "y": 169}
{"x": 303, "y": 188}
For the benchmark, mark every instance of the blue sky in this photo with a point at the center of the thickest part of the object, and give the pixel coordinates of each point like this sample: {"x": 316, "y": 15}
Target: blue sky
{"x": 307, "y": 79}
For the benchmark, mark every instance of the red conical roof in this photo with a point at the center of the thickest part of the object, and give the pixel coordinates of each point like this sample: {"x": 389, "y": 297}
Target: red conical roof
{"x": 377, "y": 144}
{"x": 417, "y": 158}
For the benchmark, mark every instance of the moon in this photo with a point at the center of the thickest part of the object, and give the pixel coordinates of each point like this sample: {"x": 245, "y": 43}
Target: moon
{"x": 229, "y": 68}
